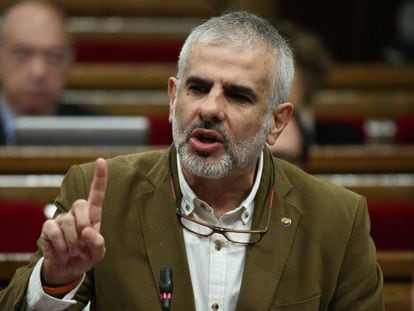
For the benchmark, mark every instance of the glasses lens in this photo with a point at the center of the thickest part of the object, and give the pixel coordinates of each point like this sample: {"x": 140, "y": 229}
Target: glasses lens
{"x": 195, "y": 227}
{"x": 243, "y": 238}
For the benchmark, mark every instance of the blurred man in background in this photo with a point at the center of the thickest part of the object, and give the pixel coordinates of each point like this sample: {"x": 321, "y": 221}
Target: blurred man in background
{"x": 312, "y": 62}
{"x": 35, "y": 55}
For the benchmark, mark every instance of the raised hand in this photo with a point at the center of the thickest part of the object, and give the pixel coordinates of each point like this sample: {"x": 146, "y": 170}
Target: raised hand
{"x": 72, "y": 243}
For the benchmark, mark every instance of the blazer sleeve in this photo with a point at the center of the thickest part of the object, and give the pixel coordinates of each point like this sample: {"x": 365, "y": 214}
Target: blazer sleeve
{"x": 13, "y": 297}
{"x": 360, "y": 283}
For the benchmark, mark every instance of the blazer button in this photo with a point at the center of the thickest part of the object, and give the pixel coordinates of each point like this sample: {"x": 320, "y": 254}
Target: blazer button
{"x": 214, "y": 306}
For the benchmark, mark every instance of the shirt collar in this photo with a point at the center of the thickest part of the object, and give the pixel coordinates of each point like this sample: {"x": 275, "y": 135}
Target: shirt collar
{"x": 190, "y": 202}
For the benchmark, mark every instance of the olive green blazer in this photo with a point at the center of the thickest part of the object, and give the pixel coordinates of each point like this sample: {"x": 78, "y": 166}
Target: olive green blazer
{"x": 324, "y": 260}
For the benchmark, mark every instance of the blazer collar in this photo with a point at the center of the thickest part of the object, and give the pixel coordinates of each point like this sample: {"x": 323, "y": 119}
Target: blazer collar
{"x": 265, "y": 261}
{"x": 163, "y": 236}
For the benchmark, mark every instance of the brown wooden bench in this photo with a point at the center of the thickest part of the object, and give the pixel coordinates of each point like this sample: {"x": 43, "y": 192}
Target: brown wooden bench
{"x": 126, "y": 107}
{"x": 370, "y": 76}
{"x": 8, "y": 266}
{"x": 141, "y": 76}
{"x": 398, "y": 269}
{"x": 55, "y": 159}
{"x": 361, "y": 159}
{"x": 121, "y": 76}
{"x": 397, "y": 264}
{"x": 379, "y": 104}
{"x": 322, "y": 160}
{"x": 47, "y": 192}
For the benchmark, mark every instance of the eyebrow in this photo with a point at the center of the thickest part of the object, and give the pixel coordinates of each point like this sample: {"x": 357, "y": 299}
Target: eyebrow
{"x": 198, "y": 80}
{"x": 232, "y": 88}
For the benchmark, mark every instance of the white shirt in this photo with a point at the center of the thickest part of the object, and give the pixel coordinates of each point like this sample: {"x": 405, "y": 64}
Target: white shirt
{"x": 37, "y": 299}
{"x": 216, "y": 265}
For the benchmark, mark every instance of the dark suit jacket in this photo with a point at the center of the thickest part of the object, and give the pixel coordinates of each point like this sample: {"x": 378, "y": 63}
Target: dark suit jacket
{"x": 2, "y": 134}
{"x": 325, "y": 260}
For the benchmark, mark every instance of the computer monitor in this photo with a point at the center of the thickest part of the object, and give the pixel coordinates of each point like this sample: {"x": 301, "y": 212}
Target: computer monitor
{"x": 82, "y": 130}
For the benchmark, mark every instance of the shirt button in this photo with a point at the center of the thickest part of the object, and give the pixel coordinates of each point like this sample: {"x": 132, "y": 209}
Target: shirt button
{"x": 214, "y": 306}
{"x": 218, "y": 245}
{"x": 187, "y": 207}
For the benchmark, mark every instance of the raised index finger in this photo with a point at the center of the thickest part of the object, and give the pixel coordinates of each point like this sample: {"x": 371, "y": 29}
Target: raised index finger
{"x": 97, "y": 191}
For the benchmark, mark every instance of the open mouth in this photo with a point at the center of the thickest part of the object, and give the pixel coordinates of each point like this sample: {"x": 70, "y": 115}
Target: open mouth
{"x": 207, "y": 139}
{"x": 207, "y": 136}
{"x": 205, "y": 142}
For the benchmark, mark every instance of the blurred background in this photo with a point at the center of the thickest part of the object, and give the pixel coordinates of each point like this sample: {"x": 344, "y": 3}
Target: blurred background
{"x": 354, "y": 97}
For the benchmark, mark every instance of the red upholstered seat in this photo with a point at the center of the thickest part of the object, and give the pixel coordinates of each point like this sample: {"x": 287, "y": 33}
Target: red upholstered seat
{"x": 20, "y": 226}
{"x": 405, "y": 129}
{"x": 118, "y": 51}
{"x": 160, "y": 131}
{"x": 392, "y": 225}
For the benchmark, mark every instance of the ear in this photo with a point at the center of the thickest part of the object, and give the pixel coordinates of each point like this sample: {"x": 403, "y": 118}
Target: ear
{"x": 172, "y": 90}
{"x": 281, "y": 117}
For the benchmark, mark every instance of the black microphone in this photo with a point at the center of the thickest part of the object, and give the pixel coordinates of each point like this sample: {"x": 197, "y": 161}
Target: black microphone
{"x": 166, "y": 288}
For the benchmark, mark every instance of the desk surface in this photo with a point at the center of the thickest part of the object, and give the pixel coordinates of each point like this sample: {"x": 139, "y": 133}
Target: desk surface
{"x": 322, "y": 160}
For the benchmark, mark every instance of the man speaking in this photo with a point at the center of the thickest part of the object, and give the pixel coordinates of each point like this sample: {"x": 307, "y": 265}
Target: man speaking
{"x": 241, "y": 230}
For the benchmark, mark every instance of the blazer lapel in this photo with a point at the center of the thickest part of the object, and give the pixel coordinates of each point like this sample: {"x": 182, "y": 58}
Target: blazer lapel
{"x": 265, "y": 261}
{"x": 164, "y": 241}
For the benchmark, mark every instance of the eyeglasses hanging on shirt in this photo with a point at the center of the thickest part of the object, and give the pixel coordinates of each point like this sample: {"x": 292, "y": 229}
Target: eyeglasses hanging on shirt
{"x": 204, "y": 229}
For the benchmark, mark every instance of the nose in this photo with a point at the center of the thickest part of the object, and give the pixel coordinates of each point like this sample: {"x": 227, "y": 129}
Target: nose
{"x": 212, "y": 108}
{"x": 38, "y": 68}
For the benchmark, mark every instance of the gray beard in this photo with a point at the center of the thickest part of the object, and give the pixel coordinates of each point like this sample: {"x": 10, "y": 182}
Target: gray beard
{"x": 238, "y": 155}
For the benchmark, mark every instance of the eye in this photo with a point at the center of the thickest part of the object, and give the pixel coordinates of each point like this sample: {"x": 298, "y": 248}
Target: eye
{"x": 21, "y": 55}
{"x": 197, "y": 89}
{"x": 238, "y": 97}
{"x": 56, "y": 57}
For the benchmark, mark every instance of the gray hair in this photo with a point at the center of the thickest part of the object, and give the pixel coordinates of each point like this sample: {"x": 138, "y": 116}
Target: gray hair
{"x": 244, "y": 30}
